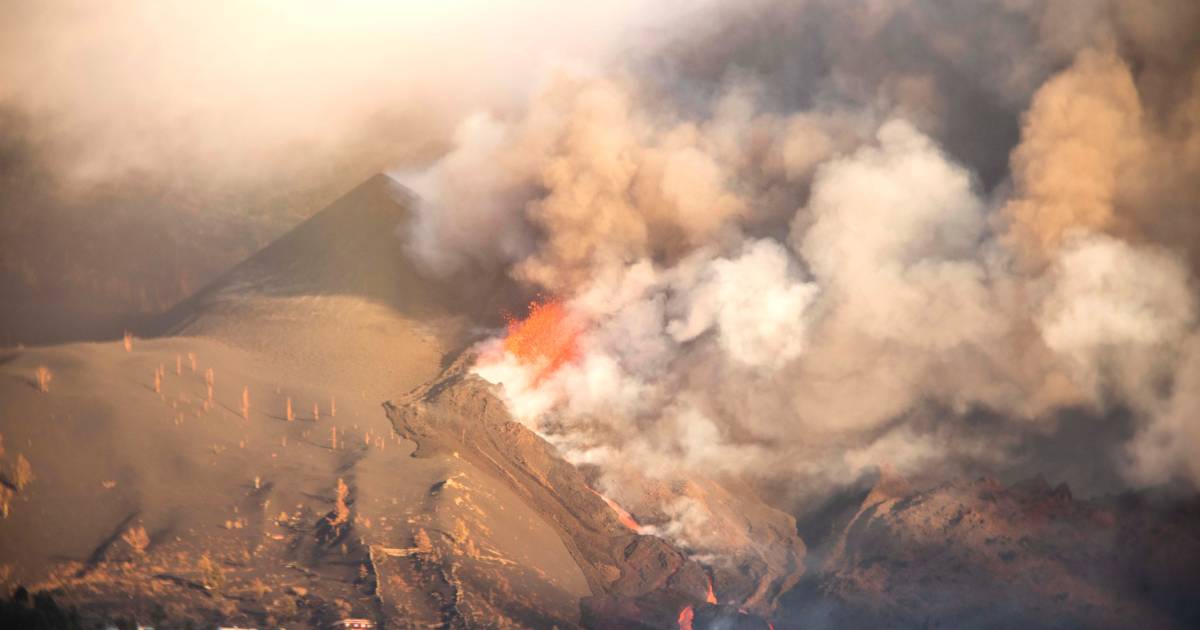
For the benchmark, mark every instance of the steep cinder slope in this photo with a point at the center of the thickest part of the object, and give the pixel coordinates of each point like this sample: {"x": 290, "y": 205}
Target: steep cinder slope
{"x": 339, "y": 292}
{"x": 353, "y": 247}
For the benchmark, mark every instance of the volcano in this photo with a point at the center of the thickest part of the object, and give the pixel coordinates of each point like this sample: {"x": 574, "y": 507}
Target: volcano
{"x": 182, "y": 443}
{"x": 207, "y": 501}
{"x": 304, "y": 441}
{"x": 635, "y": 579}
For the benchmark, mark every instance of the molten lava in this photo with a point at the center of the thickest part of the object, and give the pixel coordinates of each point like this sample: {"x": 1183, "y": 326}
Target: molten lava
{"x": 546, "y": 339}
{"x": 686, "y": 616}
{"x": 625, "y": 517}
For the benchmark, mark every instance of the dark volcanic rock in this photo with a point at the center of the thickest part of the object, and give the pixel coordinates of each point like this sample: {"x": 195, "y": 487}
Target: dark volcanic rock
{"x": 983, "y": 554}
{"x": 712, "y": 617}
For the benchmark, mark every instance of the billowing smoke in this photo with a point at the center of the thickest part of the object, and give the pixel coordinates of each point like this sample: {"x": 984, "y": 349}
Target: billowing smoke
{"x": 808, "y": 239}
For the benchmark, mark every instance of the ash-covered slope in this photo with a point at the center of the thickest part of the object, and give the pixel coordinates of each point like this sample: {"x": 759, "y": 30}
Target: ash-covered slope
{"x": 981, "y": 554}
{"x": 262, "y": 485}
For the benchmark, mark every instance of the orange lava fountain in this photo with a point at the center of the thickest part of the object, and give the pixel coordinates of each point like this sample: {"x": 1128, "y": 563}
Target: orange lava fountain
{"x": 547, "y": 338}
{"x": 711, "y": 597}
{"x": 685, "y": 618}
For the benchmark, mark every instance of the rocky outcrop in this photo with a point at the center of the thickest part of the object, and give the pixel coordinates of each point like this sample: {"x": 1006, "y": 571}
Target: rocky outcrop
{"x": 985, "y": 554}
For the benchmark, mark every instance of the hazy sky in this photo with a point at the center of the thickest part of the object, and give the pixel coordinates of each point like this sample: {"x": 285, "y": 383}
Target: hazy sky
{"x": 220, "y": 85}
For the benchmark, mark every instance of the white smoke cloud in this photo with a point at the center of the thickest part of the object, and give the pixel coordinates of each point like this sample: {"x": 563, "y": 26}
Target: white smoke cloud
{"x": 757, "y": 310}
{"x": 897, "y": 237}
{"x": 475, "y": 205}
{"x": 1110, "y": 298}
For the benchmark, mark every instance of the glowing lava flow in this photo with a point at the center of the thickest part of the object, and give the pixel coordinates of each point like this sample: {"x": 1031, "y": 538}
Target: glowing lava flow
{"x": 625, "y": 517}
{"x": 547, "y": 338}
{"x": 688, "y": 615}
{"x": 685, "y": 618}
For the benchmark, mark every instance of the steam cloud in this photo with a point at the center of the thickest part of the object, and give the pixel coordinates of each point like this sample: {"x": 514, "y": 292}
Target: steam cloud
{"x": 809, "y": 263}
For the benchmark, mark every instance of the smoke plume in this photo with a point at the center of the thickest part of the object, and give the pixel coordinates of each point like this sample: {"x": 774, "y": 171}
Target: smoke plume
{"x": 808, "y": 239}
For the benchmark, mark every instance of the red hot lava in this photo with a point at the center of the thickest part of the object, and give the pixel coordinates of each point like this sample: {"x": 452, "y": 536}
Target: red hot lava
{"x": 547, "y": 338}
{"x": 686, "y": 616}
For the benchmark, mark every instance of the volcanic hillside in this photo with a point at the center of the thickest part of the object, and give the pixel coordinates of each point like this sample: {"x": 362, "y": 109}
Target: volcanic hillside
{"x": 132, "y": 492}
{"x": 238, "y": 467}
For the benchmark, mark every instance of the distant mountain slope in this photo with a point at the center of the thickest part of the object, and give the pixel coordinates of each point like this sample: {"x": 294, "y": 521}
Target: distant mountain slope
{"x": 338, "y": 297}
{"x": 352, "y": 247}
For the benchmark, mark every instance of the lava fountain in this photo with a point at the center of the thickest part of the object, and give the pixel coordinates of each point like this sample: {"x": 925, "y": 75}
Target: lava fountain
{"x": 546, "y": 339}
